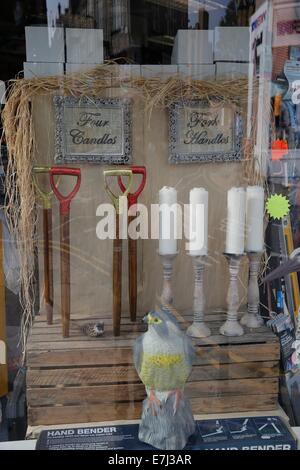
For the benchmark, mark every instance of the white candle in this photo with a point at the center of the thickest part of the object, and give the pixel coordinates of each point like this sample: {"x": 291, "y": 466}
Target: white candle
{"x": 198, "y": 222}
{"x": 255, "y": 218}
{"x": 167, "y": 221}
{"x": 236, "y": 212}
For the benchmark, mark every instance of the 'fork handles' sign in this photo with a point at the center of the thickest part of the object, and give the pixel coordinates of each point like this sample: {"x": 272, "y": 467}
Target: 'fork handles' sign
{"x": 203, "y": 131}
{"x": 93, "y": 130}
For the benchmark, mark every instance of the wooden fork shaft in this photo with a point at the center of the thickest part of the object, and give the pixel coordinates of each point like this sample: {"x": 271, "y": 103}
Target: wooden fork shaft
{"x": 48, "y": 267}
{"x": 132, "y": 273}
{"x": 117, "y": 280}
{"x": 65, "y": 273}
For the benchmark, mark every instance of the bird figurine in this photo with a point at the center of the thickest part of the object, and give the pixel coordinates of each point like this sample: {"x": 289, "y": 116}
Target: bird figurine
{"x": 163, "y": 358}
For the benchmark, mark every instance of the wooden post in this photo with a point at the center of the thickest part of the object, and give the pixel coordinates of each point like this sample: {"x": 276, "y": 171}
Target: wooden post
{"x": 3, "y": 367}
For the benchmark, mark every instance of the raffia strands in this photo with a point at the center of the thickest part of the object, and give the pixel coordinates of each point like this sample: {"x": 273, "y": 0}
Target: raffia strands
{"x": 19, "y": 132}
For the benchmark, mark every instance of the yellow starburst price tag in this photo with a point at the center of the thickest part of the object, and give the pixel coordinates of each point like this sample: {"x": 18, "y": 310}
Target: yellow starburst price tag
{"x": 278, "y": 206}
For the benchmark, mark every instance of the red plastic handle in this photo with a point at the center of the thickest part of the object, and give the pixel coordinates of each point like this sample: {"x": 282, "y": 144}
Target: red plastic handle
{"x": 65, "y": 201}
{"x": 133, "y": 197}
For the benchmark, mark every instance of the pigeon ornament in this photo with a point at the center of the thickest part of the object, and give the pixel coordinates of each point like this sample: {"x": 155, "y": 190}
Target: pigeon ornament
{"x": 163, "y": 358}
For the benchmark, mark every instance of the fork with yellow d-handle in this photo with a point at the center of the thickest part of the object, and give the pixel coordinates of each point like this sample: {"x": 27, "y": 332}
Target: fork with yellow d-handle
{"x": 45, "y": 197}
{"x": 117, "y": 248}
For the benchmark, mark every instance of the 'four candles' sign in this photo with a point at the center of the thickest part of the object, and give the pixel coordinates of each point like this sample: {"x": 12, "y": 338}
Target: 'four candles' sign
{"x": 93, "y": 130}
{"x": 204, "y": 131}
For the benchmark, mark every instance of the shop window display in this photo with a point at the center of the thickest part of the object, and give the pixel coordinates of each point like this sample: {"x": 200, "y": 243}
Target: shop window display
{"x": 150, "y": 170}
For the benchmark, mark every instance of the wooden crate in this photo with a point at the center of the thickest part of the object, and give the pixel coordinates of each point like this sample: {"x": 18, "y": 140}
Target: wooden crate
{"x": 82, "y": 380}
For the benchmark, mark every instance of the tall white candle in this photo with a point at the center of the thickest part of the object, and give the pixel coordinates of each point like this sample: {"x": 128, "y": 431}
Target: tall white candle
{"x": 198, "y": 222}
{"x": 236, "y": 212}
{"x": 167, "y": 221}
{"x": 254, "y": 219}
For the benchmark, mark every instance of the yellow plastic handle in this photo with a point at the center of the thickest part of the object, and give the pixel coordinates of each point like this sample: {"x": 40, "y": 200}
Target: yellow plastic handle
{"x": 44, "y": 195}
{"x": 114, "y": 197}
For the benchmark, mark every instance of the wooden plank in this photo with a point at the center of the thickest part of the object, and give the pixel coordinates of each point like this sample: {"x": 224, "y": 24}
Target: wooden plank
{"x": 129, "y": 392}
{"x": 187, "y": 315}
{"x": 121, "y": 411}
{"x": 54, "y": 330}
{"x": 132, "y": 332}
{"x": 126, "y": 374}
{"x": 3, "y": 367}
{"x": 205, "y": 355}
{"x": 67, "y": 344}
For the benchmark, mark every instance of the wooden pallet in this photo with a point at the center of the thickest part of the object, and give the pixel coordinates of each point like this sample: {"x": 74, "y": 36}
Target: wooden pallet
{"x": 82, "y": 380}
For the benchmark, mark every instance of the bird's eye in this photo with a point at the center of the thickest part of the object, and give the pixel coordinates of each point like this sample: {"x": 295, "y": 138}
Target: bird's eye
{"x": 156, "y": 320}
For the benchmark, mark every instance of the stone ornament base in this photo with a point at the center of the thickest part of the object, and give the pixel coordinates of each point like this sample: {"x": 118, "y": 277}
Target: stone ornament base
{"x": 167, "y": 430}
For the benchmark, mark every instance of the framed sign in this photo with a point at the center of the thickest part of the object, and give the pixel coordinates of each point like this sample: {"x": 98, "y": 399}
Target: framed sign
{"x": 204, "y": 131}
{"x": 93, "y": 130}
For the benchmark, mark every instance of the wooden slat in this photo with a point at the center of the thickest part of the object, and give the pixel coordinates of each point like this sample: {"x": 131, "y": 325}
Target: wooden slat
{"x": 121, "y": 411}
{"x": 40, "y": 320}
{"x": 128, "y": 392}
{"x": 205, "y": 355}
{"x": 125, "y": 374}
{"x": 132, "y": 332}
{"x": 63, "y": 344}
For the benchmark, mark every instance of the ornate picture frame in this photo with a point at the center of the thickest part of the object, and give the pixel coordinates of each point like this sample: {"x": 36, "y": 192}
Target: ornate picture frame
{"x": 93, "y": 130}
{"x": 202, "y": 131}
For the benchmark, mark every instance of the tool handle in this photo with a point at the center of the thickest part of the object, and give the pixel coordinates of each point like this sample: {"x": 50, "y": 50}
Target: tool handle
{"x": 44, "y": 195}
{"x": 65, "y": 201}
{"x": 122, "y": 172}
{"x": 115, "y": 197}
{"x": 133, "y": 197}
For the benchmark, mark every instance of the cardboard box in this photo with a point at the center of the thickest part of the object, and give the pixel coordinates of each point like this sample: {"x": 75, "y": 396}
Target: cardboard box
{"x": 42, "y": 69}
{"x": 231, "y": 44}
{"x": 193, "y": 47}
{"x": 44, "y": 44}
{"x": 231, "y": 70}
{"x": 162, "y": 71}
{"x": 84, "y": 46}
{"x": 197, "y": 72}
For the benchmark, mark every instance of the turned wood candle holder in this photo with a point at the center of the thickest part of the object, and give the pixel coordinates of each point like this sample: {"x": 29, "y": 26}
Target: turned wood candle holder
{"x": 252, "y": 318}
{"x": 198, "y": 329}
{"x": 167, "y": 263}
{"x": 232, "y": 327}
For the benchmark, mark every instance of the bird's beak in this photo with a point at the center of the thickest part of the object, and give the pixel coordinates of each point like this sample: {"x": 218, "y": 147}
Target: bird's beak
{"x": 289, "y": 266}
{"x": 145, "y": 319}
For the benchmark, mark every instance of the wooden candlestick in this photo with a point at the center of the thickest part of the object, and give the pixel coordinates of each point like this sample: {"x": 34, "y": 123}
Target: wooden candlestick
{"x": 252, "y": 319}
{"x": 167, "y": 262}
{"x": 232, "y": 327}
{"x": 198, "y": 328}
